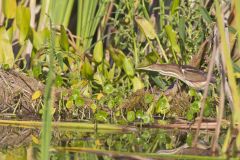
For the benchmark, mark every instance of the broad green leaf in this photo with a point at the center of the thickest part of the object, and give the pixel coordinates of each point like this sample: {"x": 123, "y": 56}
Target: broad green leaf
{"x": 111, "y": 73}
{"x": 6, "y": 52}
{"x": 172, "y": 37}
{"x": 146, "y": 27}
{"x": 148, "y": 98}
{"x": 37, "y": 94}
{"x": 203, "y": 11}
{"x": 40, "y": 38}
{"x": 137, "y": 84}
{"x": 146, "y": 118}
{"x": 128, "y": 67}
{"x": 9, "y": 8}
{"x": 162, "y": 105}
{"x": 111, "y": 103}
{"x": 149, "y": 59}
{"x": 174, "y": 6}
{"x": 195, "y": 106}
{"x": 98, "y": 52}
{"x": 58, "y": 81}
{"x": 23, "y": 22}
{"x": 86, "y": 70}
{"x": 117, "y": 55}
{"x": 79, "y": 102}
{"x": 101, "y": 116}
{"x": 93, "y": 107}
{"x": 37, "y": 70}
{"x": 108, "y": 89}
{"x": 139, "y": 114}
{"x": 64, "y": 39}
{"x": 99, "y": 78}
{"x": 131, "y": 116}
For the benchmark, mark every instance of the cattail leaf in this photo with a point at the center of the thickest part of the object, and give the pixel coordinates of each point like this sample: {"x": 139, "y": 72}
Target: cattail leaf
{"x": 23, "y": 22}
{"x": 9, "y": 8}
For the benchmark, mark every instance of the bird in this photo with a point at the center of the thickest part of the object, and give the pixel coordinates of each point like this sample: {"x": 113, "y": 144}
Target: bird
{"x": 191, "y": 76}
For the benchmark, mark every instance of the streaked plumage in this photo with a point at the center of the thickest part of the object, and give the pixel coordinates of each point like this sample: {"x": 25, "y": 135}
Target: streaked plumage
{"x": 188, "y": 74}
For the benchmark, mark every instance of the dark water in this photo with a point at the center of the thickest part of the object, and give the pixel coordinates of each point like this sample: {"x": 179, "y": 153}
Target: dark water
{"x": 22, "y": 143}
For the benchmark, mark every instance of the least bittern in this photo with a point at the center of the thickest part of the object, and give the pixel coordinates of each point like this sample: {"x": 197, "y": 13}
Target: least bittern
{"x": 192, "y": 76}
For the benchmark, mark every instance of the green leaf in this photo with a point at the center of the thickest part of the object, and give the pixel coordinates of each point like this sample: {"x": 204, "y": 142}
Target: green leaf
{"x": 10, "y": 33}
{"x": 149, "y": 59}
{"x": 189, "y": 139}
{"x": 192, "y": 92}
{"x": 174, "y": 6}
{"x": 148, "y": 98}
{"x": 139, "y": 114}
{"x": 64, "y": 39}
{"x": 40, "y": 38}
{"x": 117, "y": 55}
{"x": 190, "y": 115}
{"x": 172, "y": 36}
{"x": 23, "y": 22}
{"x": 58, "y": 81}
{"x": 146, "y": 118}
{"x": 146, "y": 27}
{"x": 99, "y": 78}
{"x": 6, "y": 52}
{"x": 137, "y": 84}
{"x": 108, "y": 89}
{"x": 93, "y": 107}
{"x": 203, "y": 11}
{"x": 98, "y": 52}
{"x": 128, "y": 67}
{"x": 101, "y": 116}
{"x": 130, "y": 116}
{"x": 111, "y": 104}
{"x": 9, "y": 8}
{"x": 195, "y": 106}
{"x": 207, "y": 109}
{"x": 86, "y": 70}
{"x": 37, "y": 70}
{"x": 162, "y": 105}
{"x": 111, "y": 73}
{"x": 181, "y": 28}
{"x": 79, "y": 102}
